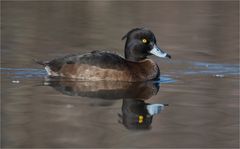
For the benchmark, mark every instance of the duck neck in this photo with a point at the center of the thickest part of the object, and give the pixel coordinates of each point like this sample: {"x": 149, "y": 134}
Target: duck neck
{"x": 132, "y": 57}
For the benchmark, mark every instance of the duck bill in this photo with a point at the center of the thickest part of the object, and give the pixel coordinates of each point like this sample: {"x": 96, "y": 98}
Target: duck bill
{"x": 158, "y": 52}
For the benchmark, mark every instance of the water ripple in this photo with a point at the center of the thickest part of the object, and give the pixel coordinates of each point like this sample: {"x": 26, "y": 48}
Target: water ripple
{"x": 216, "y": 69}
{"x": 23, "y": 72}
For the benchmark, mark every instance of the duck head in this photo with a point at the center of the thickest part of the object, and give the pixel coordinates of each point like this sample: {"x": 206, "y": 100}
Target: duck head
{"x": 140, "y": 43}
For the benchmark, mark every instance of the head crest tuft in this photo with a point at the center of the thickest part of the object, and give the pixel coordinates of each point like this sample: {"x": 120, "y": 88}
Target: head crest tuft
{"x": 135, "y": 29}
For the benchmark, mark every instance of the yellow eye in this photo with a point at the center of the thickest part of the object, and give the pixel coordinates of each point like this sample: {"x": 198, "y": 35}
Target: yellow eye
{"x": 144, "y": 40}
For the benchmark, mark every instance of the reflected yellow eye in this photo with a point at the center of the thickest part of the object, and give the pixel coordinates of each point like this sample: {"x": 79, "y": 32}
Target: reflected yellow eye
{"x": 140, "y": 119}
{"x": 144, "y": 40}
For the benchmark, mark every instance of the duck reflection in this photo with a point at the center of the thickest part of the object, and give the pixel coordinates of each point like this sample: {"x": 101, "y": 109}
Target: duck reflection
{"x": 136, "y": 113}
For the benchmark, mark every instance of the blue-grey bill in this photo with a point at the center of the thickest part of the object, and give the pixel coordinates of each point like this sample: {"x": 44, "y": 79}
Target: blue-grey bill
{"x": 158, "y": 52}
{"x": 154, "y": 109}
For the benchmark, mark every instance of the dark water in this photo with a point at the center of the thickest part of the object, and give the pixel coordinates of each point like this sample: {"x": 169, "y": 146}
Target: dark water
{"x": 194, "y": 104}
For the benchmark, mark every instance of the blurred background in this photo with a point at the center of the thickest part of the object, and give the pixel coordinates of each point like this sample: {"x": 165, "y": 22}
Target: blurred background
{"x": 202, "y": 38}
{"x": 189, "y": 30}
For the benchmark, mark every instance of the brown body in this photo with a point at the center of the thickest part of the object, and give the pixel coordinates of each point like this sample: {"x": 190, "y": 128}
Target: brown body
{"x": 127, "y": 71}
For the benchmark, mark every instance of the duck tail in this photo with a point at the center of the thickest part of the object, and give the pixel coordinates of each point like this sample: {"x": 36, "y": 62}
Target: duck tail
{"x": 43, "y": 63}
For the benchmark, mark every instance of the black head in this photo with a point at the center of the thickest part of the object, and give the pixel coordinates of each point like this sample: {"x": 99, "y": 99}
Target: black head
{"x": 141, "y": 43}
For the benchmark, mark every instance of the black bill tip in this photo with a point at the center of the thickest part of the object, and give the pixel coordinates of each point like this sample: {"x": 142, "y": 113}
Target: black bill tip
{"x": 168, "y": 56}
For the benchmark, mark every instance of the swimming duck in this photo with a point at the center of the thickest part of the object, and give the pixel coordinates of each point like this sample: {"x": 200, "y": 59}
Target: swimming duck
{"x": 100, "y": 65}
